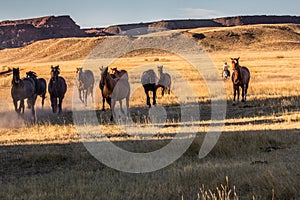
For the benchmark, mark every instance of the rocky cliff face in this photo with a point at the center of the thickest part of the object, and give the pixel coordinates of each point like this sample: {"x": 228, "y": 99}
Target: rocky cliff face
{"x": 261, "y": 19}
{"x": 195, "y": 23}
{"x": 22, "y": 32}
{"x": 19, "y": 33}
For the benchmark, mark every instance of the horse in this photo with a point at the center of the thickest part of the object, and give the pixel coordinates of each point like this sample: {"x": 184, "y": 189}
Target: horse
{"x": 226, "y": 74}
{"x": 119, "y": 73}
{"x": 114, "y": 90}
{"x": 85, "y": 84}
{"x": 149, "y": 81}
{"x": 23, "y": 89}
{"x": 240, "y": 78}
{"x": 57, "y": 89}
{"x": 40, "y": 85}
{"x": 101, "y": 86}
{"x": 164, "y": 81}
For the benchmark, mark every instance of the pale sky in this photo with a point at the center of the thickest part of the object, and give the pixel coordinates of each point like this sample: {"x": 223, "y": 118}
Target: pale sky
{"x": 98, "y": 13}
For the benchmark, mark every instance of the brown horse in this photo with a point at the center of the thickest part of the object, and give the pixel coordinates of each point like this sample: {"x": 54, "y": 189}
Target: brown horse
{"x": 85, "y": 84}
{"x": 240, "y": 78}
{"x": 101, "y": 86}
{"x": 119, "y": 73}
{"x": 164, "y": 81}
{"x": 115, "y": 90}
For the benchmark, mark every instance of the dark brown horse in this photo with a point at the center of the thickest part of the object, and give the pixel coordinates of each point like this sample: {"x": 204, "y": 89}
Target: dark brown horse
{"x": 101, "y": 86}
{"x": 40, "y": 85}
{"x": 119, "y": 73}
{"x": 23, "y": 89}
{"x": 115, "y": 90}
{"x": 240, "y": 78}
{"x": 164, "y": 81}
{"x": 85, "y": 84}
{"x": 57, "y": 88}
{"x": 149, "y": 81}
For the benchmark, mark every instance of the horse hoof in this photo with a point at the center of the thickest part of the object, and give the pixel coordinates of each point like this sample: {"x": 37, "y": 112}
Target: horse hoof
{"x": 233, "y": 104}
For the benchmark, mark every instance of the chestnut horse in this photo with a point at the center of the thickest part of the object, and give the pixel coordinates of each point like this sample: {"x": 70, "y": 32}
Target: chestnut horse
{"x": 115, "y": 90}
{"x": 101, "y": 86}
{"x": 119, "y": 73}
{"x": 240, "y": 78}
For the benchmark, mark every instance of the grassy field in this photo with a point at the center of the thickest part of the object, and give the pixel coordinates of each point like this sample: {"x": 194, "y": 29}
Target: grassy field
{"x": 258, "y": 150}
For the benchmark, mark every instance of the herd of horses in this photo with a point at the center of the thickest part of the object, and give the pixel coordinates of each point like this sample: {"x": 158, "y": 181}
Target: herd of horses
{"x": 30, "y": 87}
{"x": 114, "y": 87}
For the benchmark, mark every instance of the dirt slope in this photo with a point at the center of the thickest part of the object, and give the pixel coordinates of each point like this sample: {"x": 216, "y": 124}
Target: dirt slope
{"x": 260, "y": 37}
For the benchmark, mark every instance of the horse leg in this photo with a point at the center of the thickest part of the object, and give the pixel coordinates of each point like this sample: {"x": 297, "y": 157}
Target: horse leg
{"x": 246, "y": 89}
{"x": 92, "y": 94}
{"x": 32, "y": 101}
{"x": 163, "y": 91}
{"x": 243, "y": 93}
{"x": 16, "y": 106}
{"x": 103, "y": 101}
{"x": 54, "y": 104}
{"x": 154, "y": 96}
{"x": 43, "y": 99}
{"x": 22, "y": 107}
{"x": 238, "y": 93}
{"x": 79, "y": 92}
{"x": 112, "y": 109}
{"x": 85, "y": 97}
{"x": 234, "y": 95}
{"x": 127, "y": 105}
{"x": 121, "y": 107}
{"x": 148, "y": 98}
{"x": 60, "y": 100}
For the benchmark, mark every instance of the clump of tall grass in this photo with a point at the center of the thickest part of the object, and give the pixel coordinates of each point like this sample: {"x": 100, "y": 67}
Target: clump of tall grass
{"x": 224, "y": 192}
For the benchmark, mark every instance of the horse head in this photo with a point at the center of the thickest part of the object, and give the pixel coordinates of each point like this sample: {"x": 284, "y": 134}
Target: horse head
{"x": 160, "y": 69}
{"x": 236, "y": 70}
{"x": 55, "y": 72}
{"x": 79, "y": 72}
{"x": 16, "y": 76}
{"x": 104, "y": 72}
{"x": 31, "y": 74}
{"x": 114, "y": 70}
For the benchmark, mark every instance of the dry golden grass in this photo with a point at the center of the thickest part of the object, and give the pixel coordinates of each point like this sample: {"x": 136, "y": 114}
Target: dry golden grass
{"x": 258, "y": 150}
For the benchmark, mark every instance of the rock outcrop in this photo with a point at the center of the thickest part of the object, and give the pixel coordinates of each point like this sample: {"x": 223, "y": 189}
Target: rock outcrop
{"x": 19, "y": 33}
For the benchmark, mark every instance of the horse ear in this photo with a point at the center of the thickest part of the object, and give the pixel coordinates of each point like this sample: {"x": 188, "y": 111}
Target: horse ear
{"x": 232, "y": 58}
{"x": 238, "y": 58}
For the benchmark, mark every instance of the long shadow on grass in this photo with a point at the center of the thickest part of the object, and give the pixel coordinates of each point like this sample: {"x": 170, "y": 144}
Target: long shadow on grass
{"x": 19, "y": 161}
{"x": 250, "y": 109}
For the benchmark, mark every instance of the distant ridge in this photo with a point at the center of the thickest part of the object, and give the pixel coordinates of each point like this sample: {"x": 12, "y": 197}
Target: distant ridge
{"x": 18, "y": 33}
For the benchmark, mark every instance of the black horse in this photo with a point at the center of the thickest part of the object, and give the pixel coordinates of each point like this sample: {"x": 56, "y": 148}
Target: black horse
{"x": 23, "y": 89}
{"x": 149, "y": 81}
{"x": 57, "y": 89}
{"x": 40, "y": 85}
